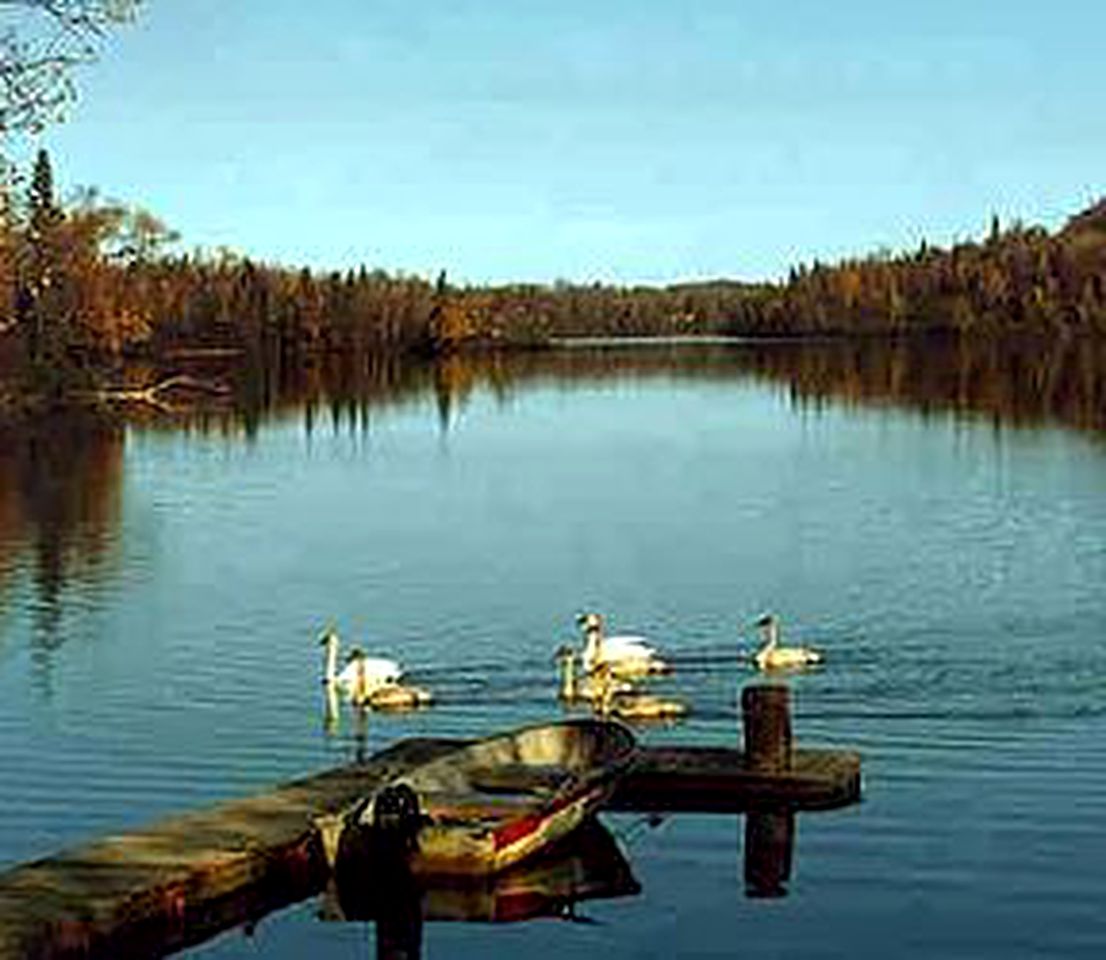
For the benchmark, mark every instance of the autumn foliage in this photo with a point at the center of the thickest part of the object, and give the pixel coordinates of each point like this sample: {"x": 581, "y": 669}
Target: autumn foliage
{"x": 87, "y": 284}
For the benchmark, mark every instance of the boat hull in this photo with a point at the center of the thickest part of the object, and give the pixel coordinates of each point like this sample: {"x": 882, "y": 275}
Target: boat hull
{"x": 497, "y": 802}
{"x": 588, "y": 864}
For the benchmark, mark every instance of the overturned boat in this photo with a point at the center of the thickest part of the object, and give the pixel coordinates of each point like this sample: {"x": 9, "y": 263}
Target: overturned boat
{"x": 485, "y": 806}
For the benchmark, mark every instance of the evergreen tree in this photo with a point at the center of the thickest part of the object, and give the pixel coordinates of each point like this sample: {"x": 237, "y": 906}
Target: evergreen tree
{"x": 44, "y": 211}
{"x": 41, "y": 301}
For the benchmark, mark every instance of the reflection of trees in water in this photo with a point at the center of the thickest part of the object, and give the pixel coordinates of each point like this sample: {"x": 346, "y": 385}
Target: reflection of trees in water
{"x": 341, "y": 392}
{"x": 1016, "y": 383}
{"x": 60, "y": 482}
{"x": 60, "y": 497}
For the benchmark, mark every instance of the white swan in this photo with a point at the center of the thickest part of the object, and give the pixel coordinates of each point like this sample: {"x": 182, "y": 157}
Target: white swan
{"x": 361, "y": 674}
{"x": 627, "y": 656}
{"x": 772, "y": 656}
{"x": 575, "y": 689}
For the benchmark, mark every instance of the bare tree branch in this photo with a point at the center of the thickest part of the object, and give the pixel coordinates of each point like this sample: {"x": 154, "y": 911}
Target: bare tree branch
{"x": 41, "y": 41}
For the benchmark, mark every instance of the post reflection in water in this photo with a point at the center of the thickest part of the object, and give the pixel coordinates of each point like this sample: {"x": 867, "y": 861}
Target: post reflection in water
{"x": 769, "y": 843}
{"x": 61, "y": 484}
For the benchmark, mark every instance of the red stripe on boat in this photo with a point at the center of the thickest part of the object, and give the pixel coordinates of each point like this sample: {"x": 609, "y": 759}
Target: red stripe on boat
{"x": 517, "y": 829}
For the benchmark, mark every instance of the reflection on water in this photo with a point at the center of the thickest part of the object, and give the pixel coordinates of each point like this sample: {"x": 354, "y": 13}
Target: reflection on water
{"x": 1013, "y": 382}
{"x": 60, "y": 479}
{"x": 60, "y": 506}
{"x": 684, "y": 491}
{"x": 590, "y": 864}
{"x": 769, "y": 841}
{"x": 587, "y": 865}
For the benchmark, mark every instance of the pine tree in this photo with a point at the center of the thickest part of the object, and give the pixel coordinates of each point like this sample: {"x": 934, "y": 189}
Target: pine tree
{"x": 40, "y": 304}
{"x": 44, "y": 211}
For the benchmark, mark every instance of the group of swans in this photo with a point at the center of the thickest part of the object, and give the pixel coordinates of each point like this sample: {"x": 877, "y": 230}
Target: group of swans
{"x": 629, "y": 657}
{"x": 603, "y": 672}
{"x": 608, "y": 665}
{"x": 369, "y": 681}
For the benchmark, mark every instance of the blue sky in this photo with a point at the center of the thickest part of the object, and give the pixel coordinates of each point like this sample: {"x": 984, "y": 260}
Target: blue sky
{"x": 617, "y": 141}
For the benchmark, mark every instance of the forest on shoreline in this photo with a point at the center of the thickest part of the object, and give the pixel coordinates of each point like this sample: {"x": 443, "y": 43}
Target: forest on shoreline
{"x": 88, "y": 285}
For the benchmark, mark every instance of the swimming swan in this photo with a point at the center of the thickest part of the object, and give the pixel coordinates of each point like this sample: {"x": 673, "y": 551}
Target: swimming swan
{"x": 575, "y": 689}
{"x": 774, "y": 657}
{"x": 627, "y": 656}
{"x": 361, "y": 674}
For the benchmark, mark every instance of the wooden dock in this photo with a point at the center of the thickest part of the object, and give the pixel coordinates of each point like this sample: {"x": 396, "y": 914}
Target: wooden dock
{"x": 176, "y": 882}
{"x": 186, "y": 878}
{"x": 717, "y": 780}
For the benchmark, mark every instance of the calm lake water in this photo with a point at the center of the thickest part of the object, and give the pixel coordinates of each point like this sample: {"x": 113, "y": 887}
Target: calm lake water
{"x": 936, "y": 524}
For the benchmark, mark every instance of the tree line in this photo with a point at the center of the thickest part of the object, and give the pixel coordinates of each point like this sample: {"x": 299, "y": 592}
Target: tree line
{"x": 87, "y": 283}
{"x": 1017, "y": 280}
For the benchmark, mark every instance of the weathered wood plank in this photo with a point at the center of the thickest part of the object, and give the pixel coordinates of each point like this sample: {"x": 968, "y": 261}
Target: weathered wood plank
{"x": 171, "y": 884}
{"x": 718, "y": 779}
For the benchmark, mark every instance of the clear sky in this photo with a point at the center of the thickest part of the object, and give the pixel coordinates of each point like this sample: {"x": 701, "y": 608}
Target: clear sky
{"x": 613, "y": 140}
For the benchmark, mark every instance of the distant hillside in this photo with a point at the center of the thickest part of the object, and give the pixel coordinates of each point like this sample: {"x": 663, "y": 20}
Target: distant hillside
{"x": 1017, "y": 280}
{"x": 1091, "y": 219}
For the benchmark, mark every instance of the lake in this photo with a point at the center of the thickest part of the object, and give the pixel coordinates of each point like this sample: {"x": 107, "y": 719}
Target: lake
{"x": 933, "y": 519}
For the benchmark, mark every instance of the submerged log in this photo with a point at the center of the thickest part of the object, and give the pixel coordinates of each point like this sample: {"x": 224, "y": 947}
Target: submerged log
{"x": 151, "y": 394}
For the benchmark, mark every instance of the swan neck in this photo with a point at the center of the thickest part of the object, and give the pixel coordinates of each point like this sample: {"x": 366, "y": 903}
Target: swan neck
{"x": 772, "y": 633}
{"x": 593, "y": 645}
{"x": 330, "y": 673}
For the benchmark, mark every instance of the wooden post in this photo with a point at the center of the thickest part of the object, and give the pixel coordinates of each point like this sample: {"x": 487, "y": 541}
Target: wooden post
{"x": 766, "y": 720}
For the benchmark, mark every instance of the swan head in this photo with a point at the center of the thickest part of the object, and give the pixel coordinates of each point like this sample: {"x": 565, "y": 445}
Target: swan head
{"x": 564, "y": 653}
{"x": 590, "y": 621}
{"x": 355, "y": 654}
{"x": 769, "y": 624}
{"x": 328, "y": 636}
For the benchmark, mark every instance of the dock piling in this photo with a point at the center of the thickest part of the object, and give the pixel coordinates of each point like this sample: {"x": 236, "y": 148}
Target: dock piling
{"x": 766, "y": 722}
